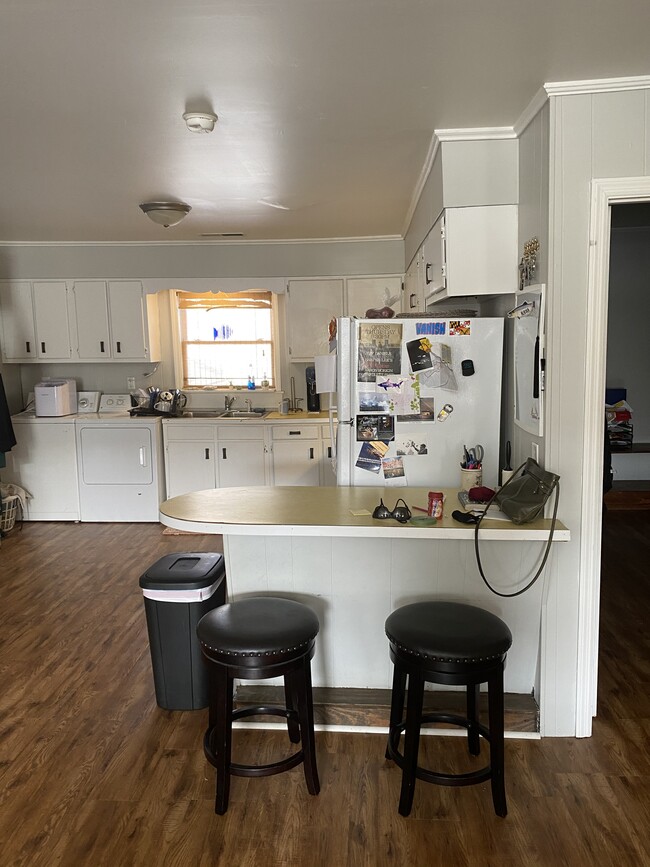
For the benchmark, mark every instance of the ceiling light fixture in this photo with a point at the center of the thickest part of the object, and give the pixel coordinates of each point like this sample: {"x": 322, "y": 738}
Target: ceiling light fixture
{"x": 200, "y": 121}
{"x": 165, "y": 213}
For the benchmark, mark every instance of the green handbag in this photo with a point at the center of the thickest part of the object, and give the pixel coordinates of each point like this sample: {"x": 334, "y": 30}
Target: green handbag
{"x": 522, "y": 499}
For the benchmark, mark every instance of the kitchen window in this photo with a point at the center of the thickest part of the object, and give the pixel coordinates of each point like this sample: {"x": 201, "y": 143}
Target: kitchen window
{"x": 226, "y": 337}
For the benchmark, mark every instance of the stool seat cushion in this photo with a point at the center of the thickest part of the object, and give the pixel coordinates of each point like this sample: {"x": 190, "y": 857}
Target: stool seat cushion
{"x": 259, "y": 626}
{"x": 448, "y": 632}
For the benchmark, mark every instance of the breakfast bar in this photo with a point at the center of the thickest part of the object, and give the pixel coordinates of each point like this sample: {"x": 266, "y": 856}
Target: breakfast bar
{"x": 321, "y": 546}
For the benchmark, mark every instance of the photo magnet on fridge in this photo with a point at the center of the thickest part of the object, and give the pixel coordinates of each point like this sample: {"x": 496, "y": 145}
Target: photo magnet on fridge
{"x": 375, "y": 427}
{"x": 419, "y": 354}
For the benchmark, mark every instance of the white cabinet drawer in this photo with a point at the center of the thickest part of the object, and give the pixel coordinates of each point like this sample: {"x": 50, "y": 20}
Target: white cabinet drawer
{"x": 187, "y": 432}
{"x": 236, "y": 431}
{"x": 296, "y": 432}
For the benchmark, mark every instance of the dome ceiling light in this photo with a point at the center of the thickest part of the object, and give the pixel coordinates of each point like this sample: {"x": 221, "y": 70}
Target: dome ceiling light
{"x": 165, "y": 213}
{"x": 200, "y": 121}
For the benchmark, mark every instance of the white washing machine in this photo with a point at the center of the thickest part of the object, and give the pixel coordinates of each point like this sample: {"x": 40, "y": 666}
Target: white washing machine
{"x": 120, "y": 463}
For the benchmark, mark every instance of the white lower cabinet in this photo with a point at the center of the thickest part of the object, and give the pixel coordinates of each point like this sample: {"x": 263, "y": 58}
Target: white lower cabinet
{"x": 190, "y": 466}
{"x": 297, "y": 454}
{"x": 241, "y": 456}
{"x": 44, "y": 463}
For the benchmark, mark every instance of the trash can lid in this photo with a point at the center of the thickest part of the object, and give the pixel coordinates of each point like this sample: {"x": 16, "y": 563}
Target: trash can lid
{"x": 183, "y": 572}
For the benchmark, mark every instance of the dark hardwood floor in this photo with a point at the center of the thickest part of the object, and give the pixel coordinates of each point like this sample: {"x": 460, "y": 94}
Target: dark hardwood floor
{"x": 93, "y": 773}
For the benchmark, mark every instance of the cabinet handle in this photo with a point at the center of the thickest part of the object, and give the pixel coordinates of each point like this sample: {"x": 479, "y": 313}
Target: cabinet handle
{"x": 28, "y": 347}
{"x": 329, "y": 451}
{"x": 294, "y": 433}
{"x": 223, "y": 452}
{"x": 207, "y": 454}
{"x": 42, "y": 347}
{"x": 427, "y": 268}
{"x": 101, "y": 346}
{"x": 119, "y": 346}
{"x": 413, "y": 300}
{"x": 311, "y": 454}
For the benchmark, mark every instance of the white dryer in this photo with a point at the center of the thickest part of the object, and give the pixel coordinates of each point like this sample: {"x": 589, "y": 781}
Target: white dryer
{"x": 120, "y": 461}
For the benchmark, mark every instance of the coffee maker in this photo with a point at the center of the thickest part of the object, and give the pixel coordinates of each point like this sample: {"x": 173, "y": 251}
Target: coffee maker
{"x": 313, "y": 400}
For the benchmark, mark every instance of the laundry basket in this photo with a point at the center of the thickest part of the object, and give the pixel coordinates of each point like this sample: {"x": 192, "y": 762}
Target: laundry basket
{"x": 9, "y": 513}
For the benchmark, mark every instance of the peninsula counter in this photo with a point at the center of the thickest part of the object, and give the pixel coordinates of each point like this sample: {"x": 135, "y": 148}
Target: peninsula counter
{"x": 305, "y": 543}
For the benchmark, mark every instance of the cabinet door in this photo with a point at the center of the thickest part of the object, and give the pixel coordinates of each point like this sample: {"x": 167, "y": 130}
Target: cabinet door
{"x": 128, "y": 320}
{"x": 44, "y": 463}
{"x": 433, "y": 260}
{"x": 51, "y": 320}
{"x": 412, "y": 300}
{"x": 91, "y": 315}
{"x": 365, "y": 293}
{"x": 327, "y": 474}
{"x": 481, "y": 250}
{"x": 18, "y": 335}
{"x": 297, "y": 462}
{"x": 311, "y": 304}
{"x": 241, "y": 463}
{"x": 189, "y": 466}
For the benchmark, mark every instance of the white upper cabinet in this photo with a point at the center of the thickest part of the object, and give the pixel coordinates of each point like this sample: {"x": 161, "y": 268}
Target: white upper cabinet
{"x": 478, "y": 253}
{"x": 18, "y": 331}
{"x": 52, "y": 320}
{"x": 366, "y": 293}
{"x": 311, "y": 304}
{"x": 134, "y": 321}
{"x": 91, "y": 310}
{"x": 81, "y": 320}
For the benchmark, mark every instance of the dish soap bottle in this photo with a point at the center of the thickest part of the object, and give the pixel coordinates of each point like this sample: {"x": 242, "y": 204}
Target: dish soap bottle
{"x": 251, "y": 378}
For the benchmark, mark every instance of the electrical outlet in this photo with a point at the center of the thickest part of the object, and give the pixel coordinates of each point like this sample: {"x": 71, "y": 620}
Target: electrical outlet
{"x": 534, "y": 451}
{"x": 130, "y": 383}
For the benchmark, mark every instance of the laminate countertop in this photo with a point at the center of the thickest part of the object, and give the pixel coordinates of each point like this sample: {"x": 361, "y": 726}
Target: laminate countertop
{"x": 329, "y": 511}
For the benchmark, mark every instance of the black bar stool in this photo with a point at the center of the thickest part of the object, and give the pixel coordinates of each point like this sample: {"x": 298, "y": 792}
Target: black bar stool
{"x": 460, "y": 645}
{"x": 255, "y": 639}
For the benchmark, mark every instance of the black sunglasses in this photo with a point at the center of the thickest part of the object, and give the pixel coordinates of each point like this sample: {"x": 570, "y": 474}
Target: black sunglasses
{"x": 399, "y": 513}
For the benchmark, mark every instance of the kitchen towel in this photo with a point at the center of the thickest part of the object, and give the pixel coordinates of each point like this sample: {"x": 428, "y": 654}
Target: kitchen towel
{"x": 7, "y": 436}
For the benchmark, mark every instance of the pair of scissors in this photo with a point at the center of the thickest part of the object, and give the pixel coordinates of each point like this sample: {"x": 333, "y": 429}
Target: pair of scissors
{"x": 476, "y": 454}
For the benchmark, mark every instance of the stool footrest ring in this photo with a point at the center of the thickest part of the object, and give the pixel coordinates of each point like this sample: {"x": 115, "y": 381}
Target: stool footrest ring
{"x": 467, "y": 779}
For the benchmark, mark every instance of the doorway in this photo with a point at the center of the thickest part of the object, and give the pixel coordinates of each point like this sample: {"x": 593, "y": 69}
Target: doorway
{"x": 604, "y": 195}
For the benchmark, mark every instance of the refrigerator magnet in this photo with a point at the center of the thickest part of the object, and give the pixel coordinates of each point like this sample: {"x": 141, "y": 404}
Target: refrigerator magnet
{"x": 419, "y": 353}
{"x": 459, "y": 328}
{"x": 445, "y": 412}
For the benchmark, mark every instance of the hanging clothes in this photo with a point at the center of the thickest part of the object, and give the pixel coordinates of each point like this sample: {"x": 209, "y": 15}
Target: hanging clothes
{"x": 7, "y": 436}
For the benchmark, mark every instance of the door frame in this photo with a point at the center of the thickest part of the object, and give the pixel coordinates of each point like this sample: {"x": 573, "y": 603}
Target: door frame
{"x": 605, "y": 192}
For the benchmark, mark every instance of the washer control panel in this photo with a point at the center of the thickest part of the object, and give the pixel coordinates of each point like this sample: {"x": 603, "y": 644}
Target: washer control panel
{"x": 115, "y": 403}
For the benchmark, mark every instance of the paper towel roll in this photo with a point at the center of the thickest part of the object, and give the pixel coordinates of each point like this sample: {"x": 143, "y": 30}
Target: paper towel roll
{"x": 505, "y": 475}
{"x": 325, "y": 373}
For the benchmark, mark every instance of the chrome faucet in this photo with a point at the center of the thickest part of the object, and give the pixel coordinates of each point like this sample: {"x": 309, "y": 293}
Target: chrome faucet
{"x": 229, "y": 402}
{"x": 249, "y": 404}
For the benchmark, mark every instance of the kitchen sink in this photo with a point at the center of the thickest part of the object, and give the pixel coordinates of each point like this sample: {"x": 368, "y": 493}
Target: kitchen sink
{"x": 202, "y": 413}
{"x": 242, "y": 413}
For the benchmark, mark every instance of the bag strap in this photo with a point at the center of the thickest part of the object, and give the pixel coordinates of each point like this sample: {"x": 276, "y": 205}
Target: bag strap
{"x": 547, "y": 549}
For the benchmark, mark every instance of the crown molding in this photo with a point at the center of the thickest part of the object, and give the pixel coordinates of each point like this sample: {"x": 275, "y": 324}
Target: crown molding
{"x": 597, "y": 85}
{"x": 488, "y": 133}
{"x": 434, "y": 145}
{"x": 533, "y": 108}
{"x": 225, "y": 242}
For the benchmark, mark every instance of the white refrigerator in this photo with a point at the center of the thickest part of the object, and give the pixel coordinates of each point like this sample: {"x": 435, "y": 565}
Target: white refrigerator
{"x": 412, "y": 395}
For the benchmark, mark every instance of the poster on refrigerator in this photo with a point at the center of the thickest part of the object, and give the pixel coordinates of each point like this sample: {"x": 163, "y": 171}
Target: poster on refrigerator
{"x": 379, "y": 350}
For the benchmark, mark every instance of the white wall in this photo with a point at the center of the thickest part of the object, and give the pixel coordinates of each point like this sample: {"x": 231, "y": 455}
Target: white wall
{"x": 628, "y": 356}
{"x": 204, "y": 259}
{"x": 599, "y": 135}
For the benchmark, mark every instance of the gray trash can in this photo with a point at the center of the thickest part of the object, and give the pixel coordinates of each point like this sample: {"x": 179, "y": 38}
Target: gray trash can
{"x": 178, "y": 590}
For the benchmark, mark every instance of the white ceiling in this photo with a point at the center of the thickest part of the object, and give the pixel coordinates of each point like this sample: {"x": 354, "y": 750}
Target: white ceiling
{"x": 326, "y": 107}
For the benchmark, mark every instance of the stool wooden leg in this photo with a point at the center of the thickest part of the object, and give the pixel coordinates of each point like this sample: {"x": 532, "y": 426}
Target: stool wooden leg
{"x": 222, "y": 735}
{"x": 291, "y": 703}
{"x": 495, "y": 709}
{"x": 302, "y": 680}
{"x": 411, "y": 741}
{"x": 473, "y": 739}
{"x": 396, "y": 707}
